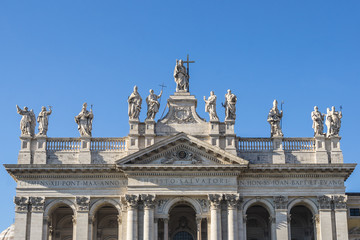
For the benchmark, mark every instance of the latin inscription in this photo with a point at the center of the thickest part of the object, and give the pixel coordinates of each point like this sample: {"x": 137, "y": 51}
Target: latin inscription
{"x": 290, "y": 182}
{"x": 185, "y": 181}
{"x": 73, "y": 183}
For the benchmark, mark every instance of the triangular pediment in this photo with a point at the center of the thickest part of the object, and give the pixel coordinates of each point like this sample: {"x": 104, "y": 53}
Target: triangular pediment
{"x": 182, "y": 149}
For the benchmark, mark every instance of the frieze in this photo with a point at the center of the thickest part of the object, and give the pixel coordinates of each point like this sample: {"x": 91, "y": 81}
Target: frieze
{"x": 184, "y": 181}
{"x": 72, "y": 183}
{"x": 291, "y": 182}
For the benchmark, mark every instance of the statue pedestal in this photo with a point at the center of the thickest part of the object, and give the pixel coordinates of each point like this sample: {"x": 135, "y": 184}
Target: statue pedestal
{"x": 40, "y": 153}
{"x": 230, "y": 137}
{"x": 133, "y": 144}
{"x": 336, "y": 153}
{"x": 214, "y": 132}
{"x": 278, "y": 156}
{"x": 321, "y": 155}
{"x": 149, "y": 132}
{"x": 25, "y": 155}
{"x": 85, "y": 153}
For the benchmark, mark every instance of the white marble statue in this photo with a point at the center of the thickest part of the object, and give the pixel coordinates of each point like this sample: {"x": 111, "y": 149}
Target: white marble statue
{"x": 230, "y": 105}
{"x": 153, "y": 104}
{"x": 274, "y": 119}
{"x": 181, "y": 77}
{"x": 210, "y": 106}
{"x": 84, "y": 121}
{"x": 43, "y": 120}
{"x": 28, "y": 121}
{"x": 318, "y": 121}
{"x": 333, "y": 122}
{"x": 134, "y": 101}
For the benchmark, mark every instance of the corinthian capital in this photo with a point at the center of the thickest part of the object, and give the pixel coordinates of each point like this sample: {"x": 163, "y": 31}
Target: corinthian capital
{"x": 280, "y": 202}
{"x": 132, "y": 200}
{"x": 37, "y": 204}
{"x": 148, "y": 199}
{"x": 83, "y": 203}
{"x": 21, "y": 203}
{"x": 232, "y": 200}
{"x": 215, "y": 200}
{"x": 340, "y": 202}
{"x": 324, "y": 202}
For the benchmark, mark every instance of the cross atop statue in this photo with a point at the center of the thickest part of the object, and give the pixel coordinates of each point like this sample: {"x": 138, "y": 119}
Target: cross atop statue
{"x": 181, "y": 75}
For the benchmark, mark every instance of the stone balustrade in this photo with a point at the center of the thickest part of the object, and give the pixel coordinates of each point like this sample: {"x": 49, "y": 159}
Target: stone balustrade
{"x": 108, "y": 144}
{"x": 63, "y": 144}
{"x": 299, "y": 144}
{"x": 266, "y": 144}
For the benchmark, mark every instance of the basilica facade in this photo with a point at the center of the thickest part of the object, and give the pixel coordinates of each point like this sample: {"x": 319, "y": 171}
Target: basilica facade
{"x": 181, "y": 177}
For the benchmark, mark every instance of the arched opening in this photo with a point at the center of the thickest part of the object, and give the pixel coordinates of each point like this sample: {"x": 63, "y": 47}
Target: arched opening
{"x": 258, "y": 226}
{"x": 106, "y": 225}
{"x": 182, "y": 222}
{"x": 61, "y": 225}
{"x": 301, "y": 224}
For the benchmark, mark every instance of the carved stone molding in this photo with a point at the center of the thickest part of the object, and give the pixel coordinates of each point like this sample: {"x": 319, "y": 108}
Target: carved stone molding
{"x": 232, "y": 200}
{"x": 161, "y": 204}
{"x": 215, "y": 200}
{"x": 316, "y": 218}
{"x": 37, "y": 204}
{"x": 324, "y": 202}
{"x": 280, "y": 202}
{"x": 132, "y": 200}
{"x": 204, "y": 204}
{"x": 149, "y": 200}
{"x": 182, "y": 115}
{"x": 340, "y": 202}
{"x": 21, "y": 203}
{"x": 83, "y": 203}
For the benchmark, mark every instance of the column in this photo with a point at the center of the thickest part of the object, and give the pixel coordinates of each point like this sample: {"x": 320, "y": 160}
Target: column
{"x": 273, "y": 227}
{"x": 341, "y": 217}
{"x": 82, "y": 218}
{"x": 37, "y": 217}
{"x": 198, "y": 227}
{"x": 281, "y": 218}
{"x": 240, "y": 223}
{"x": 245, "y": 221}
{"x": 166, "y": 229}
{"x": 326, "y": 228}
{"x": 215, "y": 200}
{"x": 156, "y": 228}
{"x": 232, "y": 201}
{"x": 21, "y": 215}
{"x": 209, "y": 228}
{"x": 91, "y": 228}
{"x": 149, "y": 204}
{"x": 132, "y": 221}
{"x": 119, "y": 226}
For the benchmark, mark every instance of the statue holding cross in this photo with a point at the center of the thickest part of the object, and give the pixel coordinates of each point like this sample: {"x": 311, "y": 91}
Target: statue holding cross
{"x": 181, "y": 75}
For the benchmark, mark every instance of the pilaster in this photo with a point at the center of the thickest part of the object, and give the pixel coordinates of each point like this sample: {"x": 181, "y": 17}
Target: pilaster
{"x": 133, "y": 144}
{"x": 198, "y": 227}
{"x": 326, "y": 228}
{"x": 232, "y": 201}
{"x": 85, "y": 153}
{"x": 215, "y": 207}
{"x": 132, "y": 218}
{"x": 166, "y": 228}
{"x": 278, "y": 156}
{"x": 214, "y": 132}
{"x": 21, "y": 217}
{"x": 82, "y": 218}
{"x": 281, "y": 217}
{"x": 40, "y": 152}
{"x": 37, "y": 217}
{"x": 341, "y": 217}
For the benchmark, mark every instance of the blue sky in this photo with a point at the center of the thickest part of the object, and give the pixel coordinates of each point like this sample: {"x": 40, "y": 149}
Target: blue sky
{"x": 64, "y": 53}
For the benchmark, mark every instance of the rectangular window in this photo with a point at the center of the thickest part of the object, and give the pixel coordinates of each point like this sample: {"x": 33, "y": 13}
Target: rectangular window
{"x": 354, "y": 211}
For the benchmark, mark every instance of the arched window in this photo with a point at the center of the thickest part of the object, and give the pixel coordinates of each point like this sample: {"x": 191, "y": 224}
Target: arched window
{"x": 183, "y": 235}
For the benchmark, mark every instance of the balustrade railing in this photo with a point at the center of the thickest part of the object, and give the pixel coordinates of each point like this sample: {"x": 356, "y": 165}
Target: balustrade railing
{"x": 63, "y": 144}
{"x": 255, "y": 144}
{"x": 108, "y": 144}
{"x": 299, "y": 144}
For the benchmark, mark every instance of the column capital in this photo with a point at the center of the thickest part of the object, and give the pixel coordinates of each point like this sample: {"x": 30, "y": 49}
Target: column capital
{"x": 22, "y": 204}
{"x": 149, "y": 200}
{"x": 132, "y": 200}
{"x": 280, "y": 202}
{"x": 37, "y": 204}
{"x": 316, "y": 218}
{"x": 324, "y": 202}
{"x": 215, "y": 200}
{"x": 119, "y": 219}
{"x": 340, "y": 202}
{"x": 82, "y": 203}
{"x": 232, "y": 200}
{"x": 165, "y": 220}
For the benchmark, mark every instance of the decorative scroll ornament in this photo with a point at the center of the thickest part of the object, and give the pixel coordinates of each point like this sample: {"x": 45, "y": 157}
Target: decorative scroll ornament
{"x": 149, "y": 200}
{"x": 324, "y": 202}
{"x": 215, "y": 200}
{"x": 37, "y": 204}
{"x": 340, "y": 202}
{"x": 83, "y": 203}
{"x": 232, "y": 200}
{"x": 22, "y": 204}
{"x": 280, "y": 202}
{"x": 132, "y": 200}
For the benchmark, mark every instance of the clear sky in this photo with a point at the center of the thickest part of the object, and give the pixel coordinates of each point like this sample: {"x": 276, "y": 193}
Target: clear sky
{"x": 64, "y": 53}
